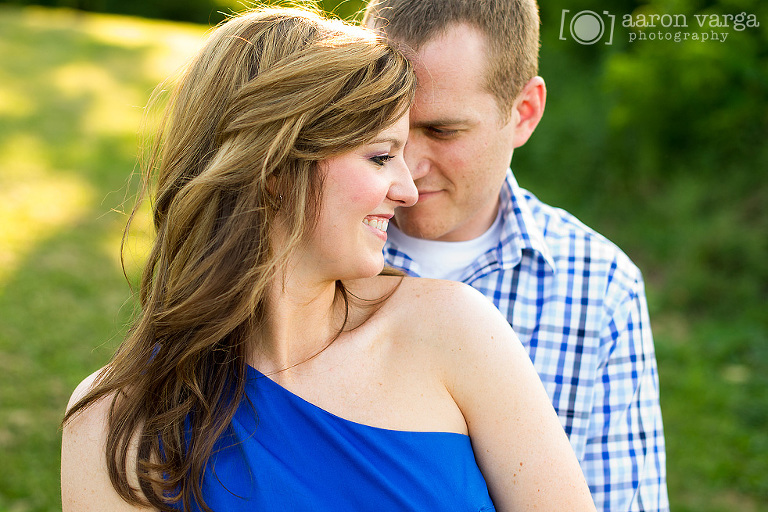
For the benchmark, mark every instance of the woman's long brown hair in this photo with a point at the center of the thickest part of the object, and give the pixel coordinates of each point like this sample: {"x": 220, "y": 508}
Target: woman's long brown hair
{"x": 272, "y": 93}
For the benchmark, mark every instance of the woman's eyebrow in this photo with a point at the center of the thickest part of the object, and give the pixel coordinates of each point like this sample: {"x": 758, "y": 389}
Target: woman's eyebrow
{"x": 396, "y": 143}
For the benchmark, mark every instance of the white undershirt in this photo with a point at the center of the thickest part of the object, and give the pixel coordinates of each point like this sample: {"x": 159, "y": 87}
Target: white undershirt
{"x": 445, "y": 260}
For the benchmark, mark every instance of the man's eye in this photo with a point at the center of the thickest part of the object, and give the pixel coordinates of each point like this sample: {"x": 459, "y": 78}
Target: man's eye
{"x": 441, "y": 133}
{"x": 380, "y": 160}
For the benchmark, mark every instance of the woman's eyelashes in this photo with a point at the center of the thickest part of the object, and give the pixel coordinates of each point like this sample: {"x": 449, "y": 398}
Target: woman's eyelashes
{"x": 380, "y": 160}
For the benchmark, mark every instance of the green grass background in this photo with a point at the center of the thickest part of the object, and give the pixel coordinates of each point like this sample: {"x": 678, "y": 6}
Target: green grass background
{"x": 72, "y": 91}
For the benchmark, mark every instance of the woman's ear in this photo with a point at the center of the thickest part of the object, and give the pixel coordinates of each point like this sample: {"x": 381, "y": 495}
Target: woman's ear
{"x": 528, "y": 109}
{"x": 274, "y": 192}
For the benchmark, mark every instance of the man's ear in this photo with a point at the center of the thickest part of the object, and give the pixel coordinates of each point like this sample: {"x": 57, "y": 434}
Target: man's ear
{"x": 528, "y": 109}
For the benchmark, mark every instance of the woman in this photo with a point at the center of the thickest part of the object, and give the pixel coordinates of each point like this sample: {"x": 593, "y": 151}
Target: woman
{"x": 273, "y": 367}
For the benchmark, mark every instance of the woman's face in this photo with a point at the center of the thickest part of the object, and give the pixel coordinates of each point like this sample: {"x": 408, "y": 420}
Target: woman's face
{"x": 361, "y": 190}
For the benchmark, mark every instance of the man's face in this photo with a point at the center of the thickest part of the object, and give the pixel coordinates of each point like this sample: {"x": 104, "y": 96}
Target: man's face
{"x": 459, "y": 147}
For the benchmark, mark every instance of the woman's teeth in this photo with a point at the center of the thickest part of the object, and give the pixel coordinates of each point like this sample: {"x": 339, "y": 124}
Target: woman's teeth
{"x": 380, "y": 224}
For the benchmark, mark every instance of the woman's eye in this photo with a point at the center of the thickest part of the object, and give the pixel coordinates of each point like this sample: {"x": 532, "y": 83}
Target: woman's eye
{"x": 380, "y": 160}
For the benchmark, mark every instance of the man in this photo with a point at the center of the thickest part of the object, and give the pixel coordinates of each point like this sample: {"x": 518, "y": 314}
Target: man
{"x": 575, "y": 300}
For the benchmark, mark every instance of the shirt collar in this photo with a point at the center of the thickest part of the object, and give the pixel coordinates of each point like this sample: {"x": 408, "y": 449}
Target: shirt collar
{"x": 520, "y": 230}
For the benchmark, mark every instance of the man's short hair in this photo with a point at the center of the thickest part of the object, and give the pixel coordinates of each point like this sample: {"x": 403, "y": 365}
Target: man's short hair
{"x": 511, "y": 29}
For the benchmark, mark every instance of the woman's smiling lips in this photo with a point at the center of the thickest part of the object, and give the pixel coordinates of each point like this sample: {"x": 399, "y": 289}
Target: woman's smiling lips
{"x": 378, "y": 224}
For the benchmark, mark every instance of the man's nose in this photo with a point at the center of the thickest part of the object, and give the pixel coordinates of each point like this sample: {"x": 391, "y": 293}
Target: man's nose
{"x": 416, "y": 157}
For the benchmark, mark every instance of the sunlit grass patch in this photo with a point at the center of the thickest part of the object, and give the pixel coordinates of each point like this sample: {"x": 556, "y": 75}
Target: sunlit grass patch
{"x": 169, "y": 43}
{"x": 14, "y": 104}
{"x": 32, "y": 211}
{"x": 113, "y": 105}
{"x": 34, "y": 200}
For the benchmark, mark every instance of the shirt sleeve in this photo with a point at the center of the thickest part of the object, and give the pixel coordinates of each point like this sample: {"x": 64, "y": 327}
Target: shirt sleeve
{"x": 625, "y": 459}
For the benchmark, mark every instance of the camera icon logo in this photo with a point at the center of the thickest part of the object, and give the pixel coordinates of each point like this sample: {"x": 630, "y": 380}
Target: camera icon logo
{"x": 587, "y": 27}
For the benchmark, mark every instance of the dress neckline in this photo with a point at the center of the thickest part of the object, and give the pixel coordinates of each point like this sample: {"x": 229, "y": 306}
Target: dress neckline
{"x": 255, "y": 375}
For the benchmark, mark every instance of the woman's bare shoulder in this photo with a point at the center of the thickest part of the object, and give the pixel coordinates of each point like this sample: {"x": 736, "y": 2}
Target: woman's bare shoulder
{"x": 448, "y": 303}
{"x": 83, "y": 388}
{"x": 84, "y": 472}
{"x": 451, "y": 323}
{"x": 444, "y": 289}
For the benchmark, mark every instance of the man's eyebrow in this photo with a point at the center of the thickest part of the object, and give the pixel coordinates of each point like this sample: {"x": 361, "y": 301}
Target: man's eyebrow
{"x": 439, "y": 122}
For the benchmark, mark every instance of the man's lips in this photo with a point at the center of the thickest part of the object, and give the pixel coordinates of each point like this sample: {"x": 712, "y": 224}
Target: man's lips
{"x": 426, "y": 194}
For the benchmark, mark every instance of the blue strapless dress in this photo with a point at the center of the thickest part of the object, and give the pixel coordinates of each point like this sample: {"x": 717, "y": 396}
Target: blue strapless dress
{"x": 290, "y": 455}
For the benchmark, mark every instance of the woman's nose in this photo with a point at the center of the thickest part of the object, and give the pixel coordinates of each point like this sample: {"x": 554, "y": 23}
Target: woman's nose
{"x": 403, "y": 189}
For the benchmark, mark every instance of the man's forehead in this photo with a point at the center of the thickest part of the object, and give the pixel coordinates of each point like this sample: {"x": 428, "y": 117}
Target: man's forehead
{"x": 455, "y": 60}
{"x": 448, "y": 111}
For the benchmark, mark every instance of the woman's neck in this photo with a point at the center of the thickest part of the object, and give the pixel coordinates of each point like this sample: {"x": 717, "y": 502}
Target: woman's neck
{"x": 301, "y": 320}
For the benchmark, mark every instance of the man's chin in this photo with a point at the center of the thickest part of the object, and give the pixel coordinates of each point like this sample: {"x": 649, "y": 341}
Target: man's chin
{"x": 419, "y": 227}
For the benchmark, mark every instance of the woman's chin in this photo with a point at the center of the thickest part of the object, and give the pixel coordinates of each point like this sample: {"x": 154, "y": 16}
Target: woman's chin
{"x": 366, "y": 271}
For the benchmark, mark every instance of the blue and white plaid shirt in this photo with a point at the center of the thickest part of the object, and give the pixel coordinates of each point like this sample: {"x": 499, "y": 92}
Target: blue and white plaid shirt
{"x": 578, "y": 305}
